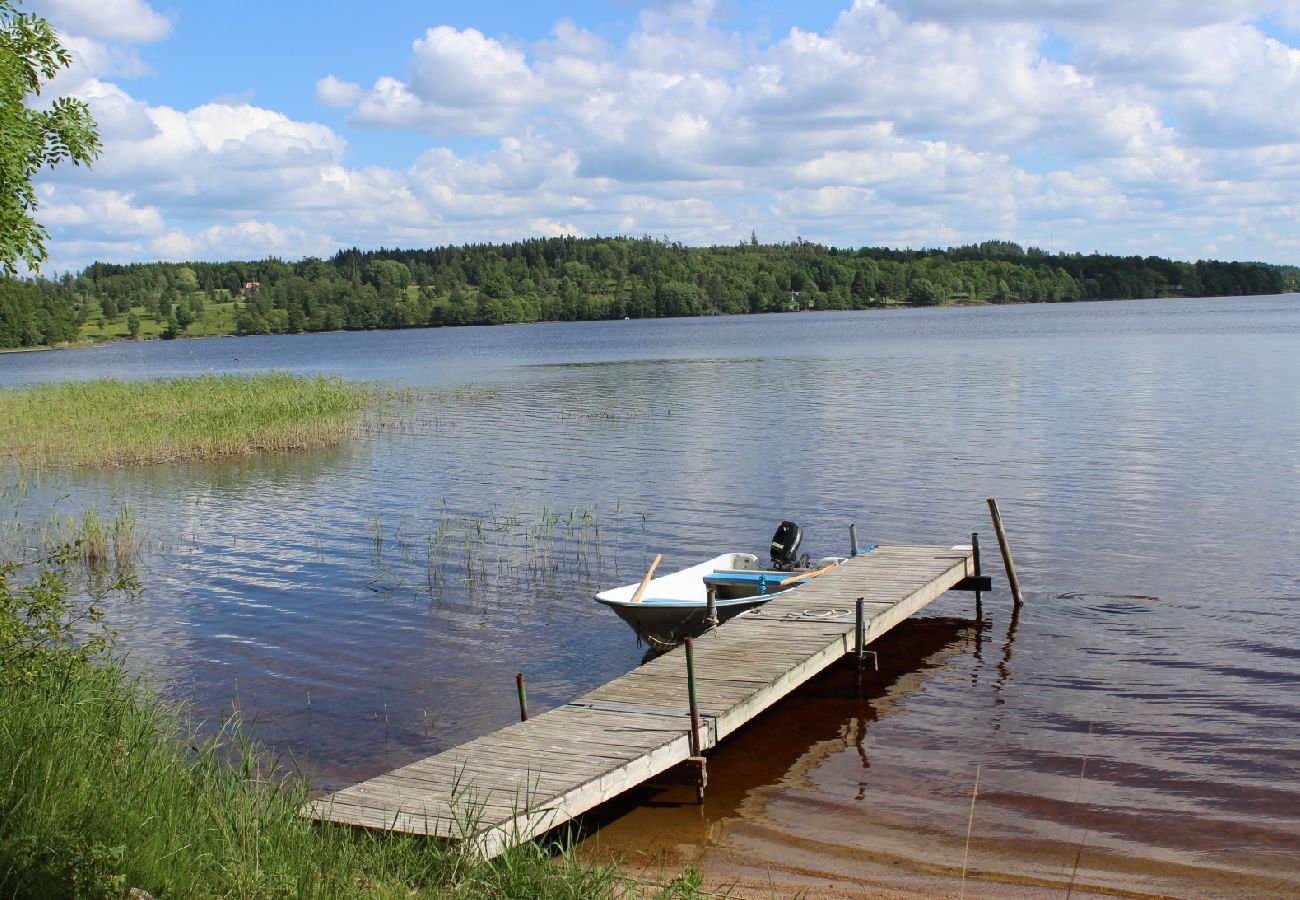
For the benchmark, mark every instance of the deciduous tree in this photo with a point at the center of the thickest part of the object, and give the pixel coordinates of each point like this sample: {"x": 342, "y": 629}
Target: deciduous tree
{"x": 31, "y": 137}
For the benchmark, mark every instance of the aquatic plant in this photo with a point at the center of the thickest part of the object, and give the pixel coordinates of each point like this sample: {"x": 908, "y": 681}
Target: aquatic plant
{"x": 490, "y": 554}
{"x": 113, "y": 423}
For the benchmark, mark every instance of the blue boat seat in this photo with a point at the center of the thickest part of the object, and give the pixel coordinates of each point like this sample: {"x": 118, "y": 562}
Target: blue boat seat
{"x": 739, "y": 577}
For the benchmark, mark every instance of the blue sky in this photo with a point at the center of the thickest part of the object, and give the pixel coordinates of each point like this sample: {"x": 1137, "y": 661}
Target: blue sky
{"x": 241, "y": 129}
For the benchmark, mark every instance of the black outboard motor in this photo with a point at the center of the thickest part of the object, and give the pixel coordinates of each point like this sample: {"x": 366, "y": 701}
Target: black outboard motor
{"x": 785, "y": 546}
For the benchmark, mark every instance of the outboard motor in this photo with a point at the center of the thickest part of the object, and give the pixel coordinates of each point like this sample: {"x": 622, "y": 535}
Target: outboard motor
{"x": 785, "y": 546}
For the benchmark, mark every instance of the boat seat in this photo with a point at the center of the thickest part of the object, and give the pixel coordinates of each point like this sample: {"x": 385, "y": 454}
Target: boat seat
{"x": 748, "y": 577}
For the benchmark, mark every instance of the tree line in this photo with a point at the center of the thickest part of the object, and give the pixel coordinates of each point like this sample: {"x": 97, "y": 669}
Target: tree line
{"x": 571, "y": 279}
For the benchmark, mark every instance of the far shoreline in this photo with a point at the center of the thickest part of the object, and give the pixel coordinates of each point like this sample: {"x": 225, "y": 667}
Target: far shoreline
{"x": 886, "y": 307}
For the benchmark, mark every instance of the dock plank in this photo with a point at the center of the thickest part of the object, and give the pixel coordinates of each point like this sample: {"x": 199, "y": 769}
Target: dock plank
{"x": 531, "y": 776}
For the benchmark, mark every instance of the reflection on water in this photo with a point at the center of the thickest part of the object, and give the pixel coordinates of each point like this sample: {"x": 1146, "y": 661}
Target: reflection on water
{"x": 370, "y": 604}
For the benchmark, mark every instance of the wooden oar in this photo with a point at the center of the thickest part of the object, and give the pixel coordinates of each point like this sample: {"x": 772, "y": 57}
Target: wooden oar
{"x": 636, "y": 598}
{"x": 805, "y": 576}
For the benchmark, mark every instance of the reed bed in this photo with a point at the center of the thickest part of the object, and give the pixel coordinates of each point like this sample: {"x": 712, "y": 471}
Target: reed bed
{"x": 490, "y": 555}
{"x": 113, "y": 423}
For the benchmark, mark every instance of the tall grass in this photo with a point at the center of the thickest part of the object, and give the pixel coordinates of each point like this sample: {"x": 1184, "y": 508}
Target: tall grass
{"x": 101, "y": 791}
{"x": 110, "y": 422}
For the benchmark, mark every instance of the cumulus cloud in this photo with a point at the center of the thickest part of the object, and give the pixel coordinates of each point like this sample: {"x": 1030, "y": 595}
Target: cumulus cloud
{"x": 332, "y": 91}
{"x": 133, "y": 21}
{"x": 1094, "y": 125}
{"x": 458, "y": 83}
{"x": 1089, "y": 14}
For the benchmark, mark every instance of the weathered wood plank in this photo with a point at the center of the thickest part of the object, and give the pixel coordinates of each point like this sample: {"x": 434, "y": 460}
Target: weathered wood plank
{"x": 530, "y": 776}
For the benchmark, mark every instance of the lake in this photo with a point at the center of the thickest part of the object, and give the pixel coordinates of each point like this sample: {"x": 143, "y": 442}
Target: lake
{"x": 1134, "y": 727}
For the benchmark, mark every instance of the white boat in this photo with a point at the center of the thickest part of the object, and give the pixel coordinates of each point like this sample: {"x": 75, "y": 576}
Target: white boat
{"x": 676, "y": 606}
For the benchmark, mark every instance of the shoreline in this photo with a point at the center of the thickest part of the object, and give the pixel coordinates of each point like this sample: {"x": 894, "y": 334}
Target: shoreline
{"x": 885, "y": 307}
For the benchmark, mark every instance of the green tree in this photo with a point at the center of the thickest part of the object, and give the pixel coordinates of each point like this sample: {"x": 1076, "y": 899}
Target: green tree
{"x": 925, "y": 293}
{"x": 186, "y": 281}
{"x": 133, "y": 325}
{"x": 184, "y": 316}
{"x": 32, "y": 138}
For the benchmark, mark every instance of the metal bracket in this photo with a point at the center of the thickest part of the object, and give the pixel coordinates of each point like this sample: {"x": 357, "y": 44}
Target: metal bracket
{"x": 697, "y": 772}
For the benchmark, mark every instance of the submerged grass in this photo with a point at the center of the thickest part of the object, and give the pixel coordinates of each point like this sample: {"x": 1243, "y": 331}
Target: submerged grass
{"x": 110, "y": 422}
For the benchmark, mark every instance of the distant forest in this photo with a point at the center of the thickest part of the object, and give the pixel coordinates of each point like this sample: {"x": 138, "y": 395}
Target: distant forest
{"x": 571, "y": 279}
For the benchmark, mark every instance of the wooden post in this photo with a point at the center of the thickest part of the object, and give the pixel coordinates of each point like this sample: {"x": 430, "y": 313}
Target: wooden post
{"x": 975, "y": 551}
{"x": 1006, "y": 553}
{"x": 711, "y": 593}
{"x": 853, "y": 540}
{"x": 697, "y": 756}
{"x": 523, "y": 697}
{"x": 695, "y": 706}
{"x": 861, "y": 633}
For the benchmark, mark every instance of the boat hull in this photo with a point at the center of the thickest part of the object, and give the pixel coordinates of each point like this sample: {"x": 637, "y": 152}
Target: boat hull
{"x": 674, "y": 607}
{"x": 665, "y": 625}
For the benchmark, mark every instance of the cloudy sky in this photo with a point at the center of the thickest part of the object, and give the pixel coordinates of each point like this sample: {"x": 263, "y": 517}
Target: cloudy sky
{"x": 245, "y": 129}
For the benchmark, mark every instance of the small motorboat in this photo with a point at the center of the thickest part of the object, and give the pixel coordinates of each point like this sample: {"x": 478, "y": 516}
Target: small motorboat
{"x": 665, "y": 610}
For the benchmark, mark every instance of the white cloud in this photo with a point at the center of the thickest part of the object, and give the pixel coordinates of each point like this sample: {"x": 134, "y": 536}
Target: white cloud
{"x": 908, "y": 121}
{"x": 133, "y": 21}
{"x": 332, "y": 91}
{"x": 89, "y": 214}
{"x": 459, "y": 83}
{"x": 1098, "y": 14}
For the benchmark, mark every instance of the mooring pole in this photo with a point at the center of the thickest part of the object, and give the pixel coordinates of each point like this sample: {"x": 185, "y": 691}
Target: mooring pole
{"x": 861, "y": 632}
{"x": 853, "y": 540}
{"x": 975, "y": 553}
{"x": 523, "y": 697}
{"x": 697, "y": 757}
{"x": 1006, "y": 553}
{"x": 695, "y": 705}
{"x": 711, "y": 592}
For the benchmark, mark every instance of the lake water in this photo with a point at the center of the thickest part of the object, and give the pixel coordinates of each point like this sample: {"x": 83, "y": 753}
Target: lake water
{"x": 370, "y": 604}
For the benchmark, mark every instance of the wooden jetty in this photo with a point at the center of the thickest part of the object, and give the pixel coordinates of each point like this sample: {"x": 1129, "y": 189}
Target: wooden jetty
{"x": 523, "y": 780}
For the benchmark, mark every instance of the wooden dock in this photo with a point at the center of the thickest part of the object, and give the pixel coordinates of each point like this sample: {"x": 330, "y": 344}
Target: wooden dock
{"x": 525, "y": 779}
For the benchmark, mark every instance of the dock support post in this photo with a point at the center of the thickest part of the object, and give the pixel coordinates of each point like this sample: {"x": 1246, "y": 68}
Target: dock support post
{"x": 1006, "y": 553}
{"x": 711, "y": 592}
{"x": 853, "y": 540}
{"x": 697, "y": 756}
{"x": 975, "y": 553}
{"x": 523, "y": 697}
{"x": 860, "y": 633}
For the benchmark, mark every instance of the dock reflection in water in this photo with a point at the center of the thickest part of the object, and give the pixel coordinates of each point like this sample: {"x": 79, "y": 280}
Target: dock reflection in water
{"x": 784, "y": 749}
{"x": 852, "y": 785}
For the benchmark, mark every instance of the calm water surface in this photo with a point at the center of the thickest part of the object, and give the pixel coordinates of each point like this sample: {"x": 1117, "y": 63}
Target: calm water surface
{"x": 369, "y": 605}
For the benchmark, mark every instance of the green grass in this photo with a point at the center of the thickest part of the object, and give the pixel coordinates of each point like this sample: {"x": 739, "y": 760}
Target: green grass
{"x": 217, "y": 318}
{"x": 104, "y": 789}
{"x": 110, "y": 422}
{"x": 101, "y": 791}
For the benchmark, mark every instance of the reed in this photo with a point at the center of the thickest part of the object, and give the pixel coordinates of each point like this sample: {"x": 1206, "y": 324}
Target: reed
{"x": 504, "y": 554}
{"x": 127, "y": 538}
{"x": 113, "y": 423}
